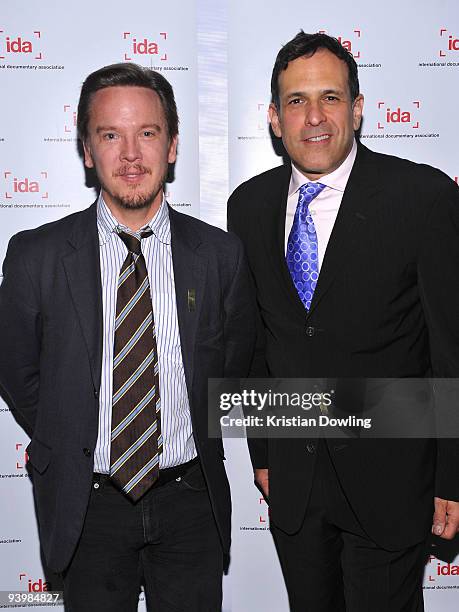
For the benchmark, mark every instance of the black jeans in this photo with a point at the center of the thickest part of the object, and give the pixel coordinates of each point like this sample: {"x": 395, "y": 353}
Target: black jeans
{"x": 168, "y": 542}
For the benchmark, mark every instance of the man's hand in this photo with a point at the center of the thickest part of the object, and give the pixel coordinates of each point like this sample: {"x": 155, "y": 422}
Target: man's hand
{"x": 446, "y": 518}
{"x": 262, "y": 481}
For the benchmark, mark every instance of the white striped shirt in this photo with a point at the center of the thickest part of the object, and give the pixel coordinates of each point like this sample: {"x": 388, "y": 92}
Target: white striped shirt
{"x": 178, "y": 443}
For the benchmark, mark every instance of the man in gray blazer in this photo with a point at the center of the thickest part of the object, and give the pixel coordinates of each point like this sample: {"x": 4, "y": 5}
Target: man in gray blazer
{"x": 111, "y": 322}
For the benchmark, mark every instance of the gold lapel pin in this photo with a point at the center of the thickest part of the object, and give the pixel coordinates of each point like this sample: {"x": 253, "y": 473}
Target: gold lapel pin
{"x": 191, "y": 300}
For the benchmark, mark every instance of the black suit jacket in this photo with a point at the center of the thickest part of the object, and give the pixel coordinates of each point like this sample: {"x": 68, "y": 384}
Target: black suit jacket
{"x": 386, "y": 305}
{"x": 51, "y": 350}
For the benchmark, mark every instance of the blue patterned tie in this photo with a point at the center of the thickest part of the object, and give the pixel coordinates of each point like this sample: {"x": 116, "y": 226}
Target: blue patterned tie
{"x": 302, "y": 254}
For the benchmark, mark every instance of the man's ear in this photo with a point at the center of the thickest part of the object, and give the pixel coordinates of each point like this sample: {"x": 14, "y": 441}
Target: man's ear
{"x": 88, "y": 161}
{"x": 172, "y": 153}
{"x": 357, "y": 111}
{"x": 275, "y": 120}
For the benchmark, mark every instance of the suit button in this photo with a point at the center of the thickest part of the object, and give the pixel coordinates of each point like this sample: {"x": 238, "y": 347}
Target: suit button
{"x": 310, "y": 331}
{"x": 311, "y": 448}
{"x": 86, "y": 452}
{"x": 340, "y": 447}
{"x": 96, "y": 393}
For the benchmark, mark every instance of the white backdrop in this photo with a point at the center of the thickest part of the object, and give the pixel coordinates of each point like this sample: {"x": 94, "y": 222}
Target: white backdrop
{"x": 218, "y": 55}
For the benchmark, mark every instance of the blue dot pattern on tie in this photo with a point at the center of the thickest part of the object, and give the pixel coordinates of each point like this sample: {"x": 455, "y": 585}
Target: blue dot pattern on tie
{"x": 302, "y": 247}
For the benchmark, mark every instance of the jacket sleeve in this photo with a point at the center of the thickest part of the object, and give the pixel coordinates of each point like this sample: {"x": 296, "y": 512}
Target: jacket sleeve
{"x": 258, "y": 447}
{"x": 20, "y": 336}
{"x": 239, "y": 325}
{"x": 438, "y": 277}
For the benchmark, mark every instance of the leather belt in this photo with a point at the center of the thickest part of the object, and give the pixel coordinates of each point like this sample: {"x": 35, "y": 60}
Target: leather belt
{"x": 165, "y": 475}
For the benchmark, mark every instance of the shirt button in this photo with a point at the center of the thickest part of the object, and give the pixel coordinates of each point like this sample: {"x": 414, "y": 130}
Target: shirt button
{"x": 310, "y": 331}
{"x": 86, "y": 452}
{"x": 310, "y": 448}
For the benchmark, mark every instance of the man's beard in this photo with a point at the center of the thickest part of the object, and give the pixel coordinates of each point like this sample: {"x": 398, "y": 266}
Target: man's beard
{"x": 135, "y": 201}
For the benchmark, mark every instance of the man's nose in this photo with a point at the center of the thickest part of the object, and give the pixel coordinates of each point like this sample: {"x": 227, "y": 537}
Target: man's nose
{"x": 314, "y": 114}
{"x": 130, "y": 150}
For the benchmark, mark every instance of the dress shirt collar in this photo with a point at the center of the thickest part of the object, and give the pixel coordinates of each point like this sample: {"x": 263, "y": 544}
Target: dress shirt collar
{"x": 108, "y": 225}
{"x": 335, "y": 180}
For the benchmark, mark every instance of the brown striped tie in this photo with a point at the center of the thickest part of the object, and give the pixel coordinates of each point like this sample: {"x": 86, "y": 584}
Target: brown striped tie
{"x": 136, "y": 440}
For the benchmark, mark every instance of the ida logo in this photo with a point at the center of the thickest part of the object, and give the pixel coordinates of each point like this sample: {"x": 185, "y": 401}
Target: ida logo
{"x": 25, "y": 45}
{"x": 437, "y": 569}
{"x": 447, "y": 569}
{"x": 349, "y": 42}
{"x": 450, "y": 42}
{"x": 34, "y": 586}
{"x": 18, "y": 185}
{"x": 395, "y": 115}
{"x": 21, "y": 456}
{"x": 142, "y": 47}
{"x": 70, "y": 119}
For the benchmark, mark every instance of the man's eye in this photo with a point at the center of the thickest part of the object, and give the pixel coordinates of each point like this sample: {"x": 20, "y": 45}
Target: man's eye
{"x": 109, "y": 136}
{"x": 148, "y": 133}
{"x": 295, "y": 101}
{"x": 331, "y": 98}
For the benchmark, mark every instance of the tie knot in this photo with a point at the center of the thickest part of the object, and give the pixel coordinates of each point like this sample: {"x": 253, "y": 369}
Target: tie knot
{"x": 132, "y": 242}
{"x": 309, "y": 191}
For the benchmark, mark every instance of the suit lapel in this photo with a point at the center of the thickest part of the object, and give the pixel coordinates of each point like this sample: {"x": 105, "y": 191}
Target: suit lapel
{"x": 356, "y": 206}
{"x": 272, "y": 220}
{"x": 190, "y": 279}
{"x": 82, "y": 267}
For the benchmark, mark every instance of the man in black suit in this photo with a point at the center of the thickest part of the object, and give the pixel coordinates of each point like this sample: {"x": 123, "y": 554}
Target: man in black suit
{"x": 355, "y": 257}
{"x": 111, "y": 322}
